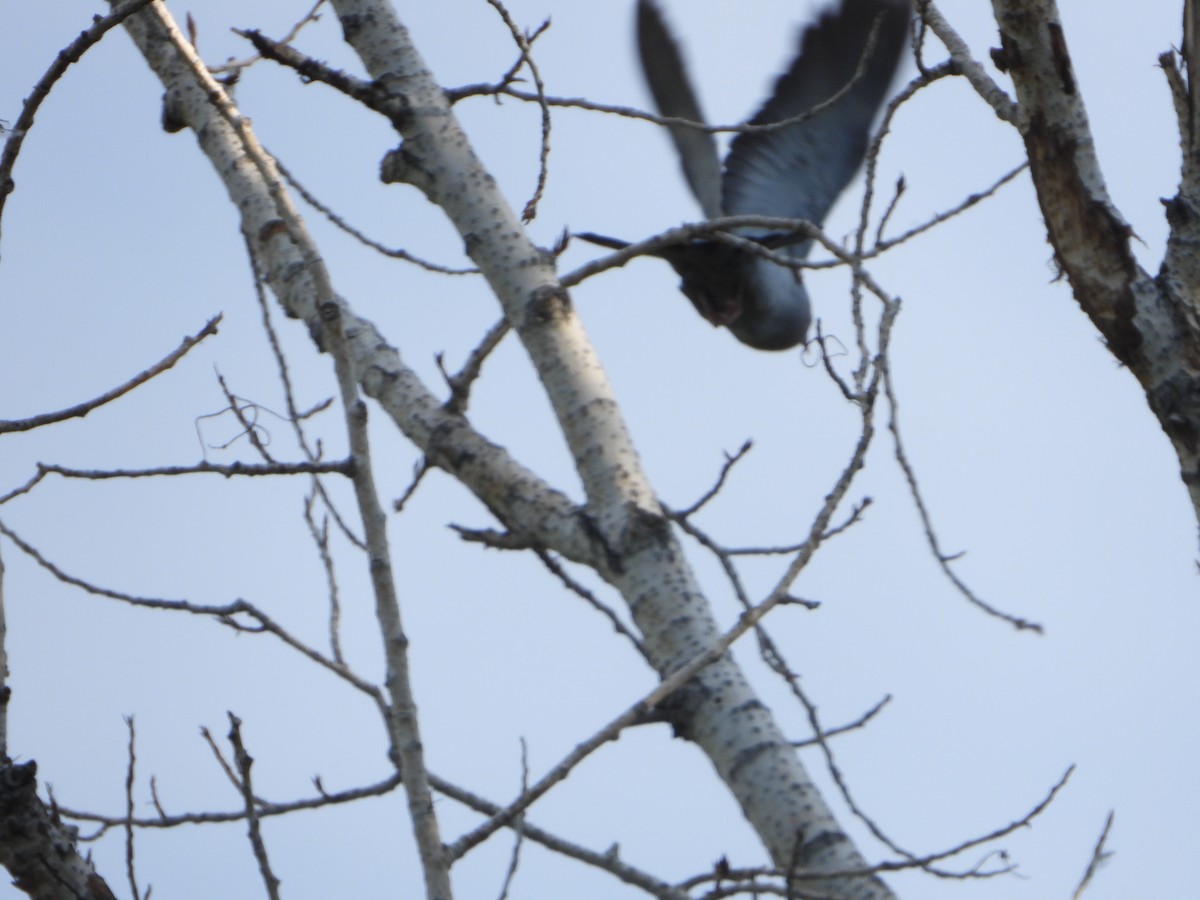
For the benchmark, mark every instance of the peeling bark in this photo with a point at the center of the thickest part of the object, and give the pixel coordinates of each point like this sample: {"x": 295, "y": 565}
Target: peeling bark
{"x": 38, "y": 850}
{"x": 1149, "y": 323}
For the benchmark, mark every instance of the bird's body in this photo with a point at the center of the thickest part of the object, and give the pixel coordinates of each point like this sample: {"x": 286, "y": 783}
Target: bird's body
{"x": 794, "y": 172}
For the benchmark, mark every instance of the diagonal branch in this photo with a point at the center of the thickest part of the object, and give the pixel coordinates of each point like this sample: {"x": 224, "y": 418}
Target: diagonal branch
{"x": 82, "y": 409}
{"x": 72, "y": 53}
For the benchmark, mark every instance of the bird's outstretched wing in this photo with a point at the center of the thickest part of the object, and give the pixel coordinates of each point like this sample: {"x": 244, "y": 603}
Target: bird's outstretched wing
{"x": 662, "y": 64}
{"x": 797, "y": 172}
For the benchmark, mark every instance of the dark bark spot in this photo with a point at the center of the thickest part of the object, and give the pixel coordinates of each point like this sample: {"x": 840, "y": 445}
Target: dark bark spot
{"x": 680, "y": 708}
{"x": 749, "y": 755}
{"x": 273, "y": 228}
{"x": 173, "y": 119}
{"x": 1007, "y": 56}
{"x": 1062, "y": 59}
{"x": 548, "y": 304}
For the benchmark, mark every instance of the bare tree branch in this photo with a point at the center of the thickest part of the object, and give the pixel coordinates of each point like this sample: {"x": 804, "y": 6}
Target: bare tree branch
{"x": 1099, "y": 856}
{"x": 68, "y": 55}
{"x": 130, "y": 869}
{"x": 82, "y": 409}
{"x": 244, "y": 761}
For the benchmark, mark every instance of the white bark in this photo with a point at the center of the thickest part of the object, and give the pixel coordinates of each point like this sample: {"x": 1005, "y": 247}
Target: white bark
{"x": 622, "y": 532}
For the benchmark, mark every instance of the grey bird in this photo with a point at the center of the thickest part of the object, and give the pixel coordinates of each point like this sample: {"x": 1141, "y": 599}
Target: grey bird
{"x": 795, "y": 172}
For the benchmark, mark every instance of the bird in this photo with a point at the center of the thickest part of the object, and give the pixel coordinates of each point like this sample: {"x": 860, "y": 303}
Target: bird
{"x": 794, "y": 172}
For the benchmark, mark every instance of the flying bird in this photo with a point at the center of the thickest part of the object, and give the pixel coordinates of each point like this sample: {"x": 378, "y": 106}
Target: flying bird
{"x": 848, "y": 56}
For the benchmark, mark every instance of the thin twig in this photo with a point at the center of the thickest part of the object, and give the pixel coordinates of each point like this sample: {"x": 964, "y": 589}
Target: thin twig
{"x": 783, "y": 232}
{"x": 860, "y": 722}
{"x": 130, "y": 871}
{"x": 237, "y": 406}
{"x": 524, "y": 43}
{"x": 591, "y": 599}
{"x": 1099, "y": 857}
{"x": 370, "y": 94}
{"x": 748, "y": 620}
{"x": 320, "y": 537}
{"x": 226, "y": 614}
{"x": 517, "y": 827}
{"x": 82, "y": 409}
{"x": 505, "y": 88}
{"x": 226, "y": 767}
{"x": 361, "y": 237}
{"x": 72, "y": 53}
{"x": 943, "y": 560}
{"x": 420, "y": 470}
{"x": 5, "y": 690}
{"x": 236, "y": 65}
{"x": 460, "y": 383}
{"x": 265, "y": 808}
{"x": 158, "y": 807}
{"x": 294, "y": 417}
{"x": 726, "y": 468}
{"x": 229, "y": 470}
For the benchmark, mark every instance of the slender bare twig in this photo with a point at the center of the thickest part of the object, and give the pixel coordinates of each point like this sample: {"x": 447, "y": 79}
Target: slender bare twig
{"x": 784, "y": 231}
{"x": 943, "y": 560}
{"x": 82, "y": 409}
{"x": 890, "y": 210}
{"x": 68, "y": 55}
{"x": 640, "y": 710}
{"x": 236, "y": 65}
{"x": 154, "y": 797}
{"x": 460, "y": 383}
{"x": 130, "y": 871}
{"x": 882, "y": 244}
{"x": 517, "y": 827}
{"x": 860, "y": 722}
{"x": 250, "y": 427}
{"x": 726, "y": 468}
{"x": 774, "y": 659}
{"x": 821, "y": 341}
{"x": 223, "y": 763}
{"x": 361, "y": 237}
{"x": 860, "y": 252}
{"x": 607, "y": 861}
{"x": 604, "y": 861}
{"x": 266, "y": 809}
{"x": 228, "y": 614}
{"x": 295, "y": 417}
{"x": 420, "y": 470}
{"x": 254, "y": 832}
{"x": 401, "y": 715}
{"x": 524, "y": 44}
{"x": 5, "y": 690}
{"x": 591, "y": 599}
{"x": 924, "y": 862}
{"x": 229, "y": 470}
{"x": 1099, "y": 856}
{"x": 320, "y": 537}
{"x": 505, "y": 88}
